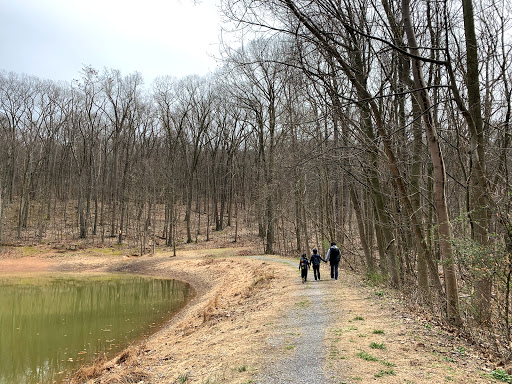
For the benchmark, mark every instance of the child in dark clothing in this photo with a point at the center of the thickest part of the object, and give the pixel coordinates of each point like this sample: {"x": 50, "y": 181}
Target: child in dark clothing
{"x": 315, "y": 262}
{"x": 303, "y": 266}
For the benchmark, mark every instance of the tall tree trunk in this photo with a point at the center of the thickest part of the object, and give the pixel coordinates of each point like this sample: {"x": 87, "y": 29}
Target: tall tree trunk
{"x": 81, "y": 218}
{"x": 298, "y": 215}
{"x": 113, "y": 192}
{"x": 479, "y": 192}
{"x": 452, "y": 296}
{"x": 370, "y": 266}
{"x": 305, "y": 226}
{"x": 387, "y": 246}
{"x": 269, "y": 245}
{"x": 422, "y": 267}
{"x": 188, "y": 211}
{"x": 3, "y": 198}
{"x": 269, "y": 180}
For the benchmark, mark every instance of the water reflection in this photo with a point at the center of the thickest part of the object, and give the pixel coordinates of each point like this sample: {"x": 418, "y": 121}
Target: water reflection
{"x": 49, "y": 328}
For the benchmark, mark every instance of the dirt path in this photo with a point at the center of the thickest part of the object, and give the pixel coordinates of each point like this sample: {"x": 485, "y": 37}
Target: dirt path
{"x": 300, "y": 336}
{"x": 253, "y": 321}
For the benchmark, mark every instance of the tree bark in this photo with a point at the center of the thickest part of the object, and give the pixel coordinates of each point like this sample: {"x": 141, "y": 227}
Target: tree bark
{"x": 479, "y": 192}
{"x": 452, "y": 296}
{"x": 370, "y": 265}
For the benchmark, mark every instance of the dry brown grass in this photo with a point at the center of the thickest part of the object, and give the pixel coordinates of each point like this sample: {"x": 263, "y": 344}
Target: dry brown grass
{"x": 211, "y": 309}
{"x": 130, "y": 355}
{"x": 129, "y": 358}
{"x": 130, "y": 376}
{"x": 89, "y": 372}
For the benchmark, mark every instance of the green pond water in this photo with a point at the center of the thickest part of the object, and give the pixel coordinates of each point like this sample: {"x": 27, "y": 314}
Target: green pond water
{"x": 51, "y": 326}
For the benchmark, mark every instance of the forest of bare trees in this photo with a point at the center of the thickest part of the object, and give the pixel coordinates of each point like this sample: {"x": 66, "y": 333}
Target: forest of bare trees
{"x": 382, "y": 125}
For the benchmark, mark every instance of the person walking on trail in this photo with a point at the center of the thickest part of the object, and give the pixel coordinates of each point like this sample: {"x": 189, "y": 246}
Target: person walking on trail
{"x": 304, "y": 266}
{"x": 315, "y": 260}
{"x": 333, "y": 256}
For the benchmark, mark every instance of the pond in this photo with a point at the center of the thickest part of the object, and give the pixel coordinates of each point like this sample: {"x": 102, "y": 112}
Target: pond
{"x": 50, "y": 326}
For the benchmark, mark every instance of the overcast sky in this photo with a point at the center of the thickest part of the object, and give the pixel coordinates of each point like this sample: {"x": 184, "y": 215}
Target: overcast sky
{"x": 54, "y": 39}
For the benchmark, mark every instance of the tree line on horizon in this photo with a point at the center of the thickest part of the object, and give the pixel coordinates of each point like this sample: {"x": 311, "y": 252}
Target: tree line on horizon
{"x": 383, "y": 126}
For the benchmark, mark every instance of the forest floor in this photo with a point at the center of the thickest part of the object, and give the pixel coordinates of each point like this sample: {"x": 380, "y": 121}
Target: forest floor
{"x": 253, "y": 321}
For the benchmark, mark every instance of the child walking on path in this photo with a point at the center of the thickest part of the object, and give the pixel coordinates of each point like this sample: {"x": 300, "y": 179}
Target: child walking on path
{"x": 315, "y": 260}
{"x": 303, "y": 266}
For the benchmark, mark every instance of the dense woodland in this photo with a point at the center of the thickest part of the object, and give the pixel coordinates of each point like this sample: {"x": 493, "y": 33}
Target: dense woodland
{"x": 384, "y": 126}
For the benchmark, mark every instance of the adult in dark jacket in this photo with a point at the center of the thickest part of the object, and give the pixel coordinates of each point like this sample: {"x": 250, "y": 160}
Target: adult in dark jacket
{"x": 315, "y": 260}
{"x": 333, "y": 256}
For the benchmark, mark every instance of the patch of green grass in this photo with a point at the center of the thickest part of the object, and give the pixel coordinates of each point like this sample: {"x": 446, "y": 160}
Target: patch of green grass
{"x": 449, "y": 359}
{"x": 385, "y": 372}
{"x": 387, "y": 363}
{"x": 242, "y": 368}
{"x": 378, "y": 332}
{"x": 352, "y": 328}
{"x": 115, "y": 250}
{"x": 29, "y": 251}
{"x": 337, "y": 332}
{"x": 366, "y": 356}
{"x": 501, "y": 375}
{"x": 289, "y": 347}
{"x": 379, "y": 293}
{"x": 375, "y": 278}
{"x": 461, "y": 350}
{"x": 377, "y": 346}
{"x": 362, "y": 335}
{"x": 358, "y": 318}
{"x": 183, "y": 378}
{"x": 303, "y": 303}
{"x": 449, "y": 369}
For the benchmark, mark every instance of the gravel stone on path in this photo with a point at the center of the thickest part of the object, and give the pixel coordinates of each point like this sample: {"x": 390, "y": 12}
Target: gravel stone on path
{"x": 301, "y": 347}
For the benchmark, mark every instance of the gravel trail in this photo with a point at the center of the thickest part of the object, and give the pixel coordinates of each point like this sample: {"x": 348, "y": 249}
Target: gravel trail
{"x": 300, "y": 343}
